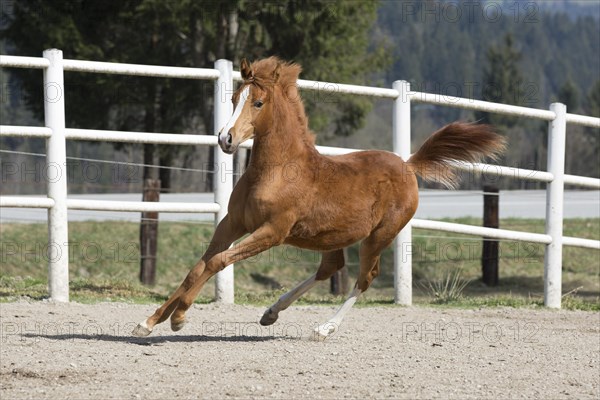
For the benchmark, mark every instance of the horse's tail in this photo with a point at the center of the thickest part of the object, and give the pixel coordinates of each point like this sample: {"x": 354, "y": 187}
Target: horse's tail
{"x": 458, "y": 141}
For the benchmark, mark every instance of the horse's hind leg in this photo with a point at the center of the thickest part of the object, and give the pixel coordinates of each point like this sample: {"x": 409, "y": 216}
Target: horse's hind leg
{"x": 330, "y": 263}
{"x": 370, "y": 251}
{"x": 272, "y": 313}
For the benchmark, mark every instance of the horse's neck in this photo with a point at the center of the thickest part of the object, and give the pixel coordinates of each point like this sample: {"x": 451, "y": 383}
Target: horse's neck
{"x": 287, "y": 141}
{"x": 280, "y": 148}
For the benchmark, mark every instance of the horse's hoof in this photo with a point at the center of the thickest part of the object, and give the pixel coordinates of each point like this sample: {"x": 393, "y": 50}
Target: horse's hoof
{"x": 177, "y": 326}
{"x": 324, "y": 331}
{"x": 141, "y": 330}
{"x": 269, "y": 318}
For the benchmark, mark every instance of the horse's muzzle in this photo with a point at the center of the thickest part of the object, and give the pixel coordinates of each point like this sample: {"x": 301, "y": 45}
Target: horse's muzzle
{"x": 226, "y": 143}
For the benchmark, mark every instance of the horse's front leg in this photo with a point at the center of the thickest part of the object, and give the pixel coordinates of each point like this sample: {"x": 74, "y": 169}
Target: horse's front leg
{"x": 226, "y": 233}
{"x": 262, "y": 239}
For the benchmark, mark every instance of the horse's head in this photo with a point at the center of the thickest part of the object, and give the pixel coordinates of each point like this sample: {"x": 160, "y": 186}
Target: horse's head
{"x": 254, "y": 100}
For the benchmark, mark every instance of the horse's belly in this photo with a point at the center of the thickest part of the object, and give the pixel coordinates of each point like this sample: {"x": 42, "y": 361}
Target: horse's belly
{"x": 326, "y": 238}
{"x": 328, "y": 244}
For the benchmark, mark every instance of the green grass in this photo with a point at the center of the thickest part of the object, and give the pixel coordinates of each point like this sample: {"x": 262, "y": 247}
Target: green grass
{"x": 104, "y": 266}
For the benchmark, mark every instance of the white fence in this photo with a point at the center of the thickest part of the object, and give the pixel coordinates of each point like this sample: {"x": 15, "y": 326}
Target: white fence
{"x": 57, "y": 202}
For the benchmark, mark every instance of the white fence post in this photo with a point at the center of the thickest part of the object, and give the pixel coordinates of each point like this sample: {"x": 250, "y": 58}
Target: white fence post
{"x": 403, "y": 243}
{"x": 223, "y": 179}
{"x": 56, "y": 171}
{"x": 554, "y": 206}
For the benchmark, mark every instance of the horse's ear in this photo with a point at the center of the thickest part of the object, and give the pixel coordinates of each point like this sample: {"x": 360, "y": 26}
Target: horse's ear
{"x": 292, "y": 92}
{"x": 276, "y": 72}
{"x": 246, "y": 70}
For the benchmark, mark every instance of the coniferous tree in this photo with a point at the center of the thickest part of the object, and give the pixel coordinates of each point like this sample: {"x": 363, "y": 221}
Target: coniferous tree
{"x": 329, "y": 38}
{"x": 593, "y": 100}
{"x": 502, "y": 80}
{"x": 569, "y": 95}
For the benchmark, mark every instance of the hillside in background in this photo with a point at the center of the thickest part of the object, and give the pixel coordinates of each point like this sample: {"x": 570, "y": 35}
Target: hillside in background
{"x": 573, "y": 8}
{"x": 442, "y": 47}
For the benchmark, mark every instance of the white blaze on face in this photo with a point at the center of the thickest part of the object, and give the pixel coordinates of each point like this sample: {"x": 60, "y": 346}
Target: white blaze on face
{"x": 236, "y": 114}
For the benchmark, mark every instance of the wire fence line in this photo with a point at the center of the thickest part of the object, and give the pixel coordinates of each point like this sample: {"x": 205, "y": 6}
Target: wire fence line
{"x": 132, "y": 164}
{"x": 209, "y": 171}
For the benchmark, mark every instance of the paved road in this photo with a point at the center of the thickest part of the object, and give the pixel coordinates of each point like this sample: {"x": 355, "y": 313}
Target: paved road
{"x": 434, "y": 204}
{"x": 513, "y": 204}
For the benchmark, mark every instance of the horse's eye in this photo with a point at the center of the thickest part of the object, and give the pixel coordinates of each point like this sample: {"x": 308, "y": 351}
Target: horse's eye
{"x": 258, "y": 103}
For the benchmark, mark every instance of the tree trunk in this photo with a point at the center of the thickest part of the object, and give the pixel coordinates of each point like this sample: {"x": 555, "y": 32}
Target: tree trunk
{"x": 166, "y": 153}
{"x": 149, "y": 126}
{"x": 149, "y": 234}
{"x": 149, "y": 223}
{"x": 164, "y": 174}
{"x": 489, "y": 254}
{"x": 232, "y": 33}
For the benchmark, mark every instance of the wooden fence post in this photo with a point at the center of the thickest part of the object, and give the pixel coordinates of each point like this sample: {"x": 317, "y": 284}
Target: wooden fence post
{"x": 489, "y": 254}
{"x": 149, "y": 234}
{"x": 339, "y": 280}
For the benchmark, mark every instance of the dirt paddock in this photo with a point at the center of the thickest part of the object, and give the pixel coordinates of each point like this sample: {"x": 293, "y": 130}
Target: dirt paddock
{"x": 81, "y": 351}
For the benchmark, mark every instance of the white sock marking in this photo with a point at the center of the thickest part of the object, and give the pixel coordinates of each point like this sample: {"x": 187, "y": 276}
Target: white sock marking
{"x": 334, "y": 322}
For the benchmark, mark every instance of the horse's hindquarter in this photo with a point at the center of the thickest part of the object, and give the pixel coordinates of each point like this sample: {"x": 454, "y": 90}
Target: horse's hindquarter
{"x": 351, "y": 196}
{"x": 374, "y": 181}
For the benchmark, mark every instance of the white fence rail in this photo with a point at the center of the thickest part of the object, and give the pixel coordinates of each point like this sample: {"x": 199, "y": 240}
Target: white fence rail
{"x": 57, "y": 202}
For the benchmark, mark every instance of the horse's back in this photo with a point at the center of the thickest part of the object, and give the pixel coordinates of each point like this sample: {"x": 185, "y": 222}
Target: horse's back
{"x": 377, "y": 166}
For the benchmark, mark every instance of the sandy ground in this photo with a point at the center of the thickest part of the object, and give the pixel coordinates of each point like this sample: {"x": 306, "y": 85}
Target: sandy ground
{"x": 79, "y": 351}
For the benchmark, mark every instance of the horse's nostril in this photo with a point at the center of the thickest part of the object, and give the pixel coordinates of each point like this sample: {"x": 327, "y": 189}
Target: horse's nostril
{"x": 229, "y": 139}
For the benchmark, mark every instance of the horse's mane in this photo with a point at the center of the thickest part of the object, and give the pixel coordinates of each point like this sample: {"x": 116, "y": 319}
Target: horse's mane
{"x": 271, "y": 73}
{"x": 287, "y": 72}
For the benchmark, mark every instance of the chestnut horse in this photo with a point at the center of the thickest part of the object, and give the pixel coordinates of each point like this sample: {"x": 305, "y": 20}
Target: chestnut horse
{"x": 326, "y": 204}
